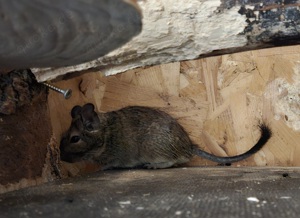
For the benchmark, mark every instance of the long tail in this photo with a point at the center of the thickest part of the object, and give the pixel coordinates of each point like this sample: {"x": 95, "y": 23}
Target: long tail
{"x": 266, "y": 134}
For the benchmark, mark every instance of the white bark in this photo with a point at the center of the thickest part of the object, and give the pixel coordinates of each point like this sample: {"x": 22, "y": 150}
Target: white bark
{"x": 173, "y": 30}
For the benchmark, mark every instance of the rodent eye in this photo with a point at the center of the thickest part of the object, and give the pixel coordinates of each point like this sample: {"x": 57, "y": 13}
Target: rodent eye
{"x": 89, "y": 127}
{"x": 75, "y": 139}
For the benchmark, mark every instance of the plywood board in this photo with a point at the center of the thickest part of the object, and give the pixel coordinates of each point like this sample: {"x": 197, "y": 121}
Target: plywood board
{"x": 218, "y": 100}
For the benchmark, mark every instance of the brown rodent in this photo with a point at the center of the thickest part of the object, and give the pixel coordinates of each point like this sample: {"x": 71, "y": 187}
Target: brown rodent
{"x": 135, "y": 137}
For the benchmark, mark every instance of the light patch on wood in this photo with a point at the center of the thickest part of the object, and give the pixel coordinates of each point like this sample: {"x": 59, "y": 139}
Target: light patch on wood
{"x": 286, "y": 99}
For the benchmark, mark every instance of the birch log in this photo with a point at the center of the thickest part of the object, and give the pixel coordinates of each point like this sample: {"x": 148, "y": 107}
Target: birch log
{"x": 175, "y": 30}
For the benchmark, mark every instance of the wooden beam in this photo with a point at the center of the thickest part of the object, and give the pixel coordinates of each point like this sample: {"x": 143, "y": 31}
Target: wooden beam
{"x": 181, "y": 192}
{"x": 175, "y": 30}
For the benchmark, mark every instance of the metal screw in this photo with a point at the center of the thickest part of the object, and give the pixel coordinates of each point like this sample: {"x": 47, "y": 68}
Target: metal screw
{"x": 67, "y": 93}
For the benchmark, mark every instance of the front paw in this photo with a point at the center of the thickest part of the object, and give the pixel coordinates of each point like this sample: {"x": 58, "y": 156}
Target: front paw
{"x": 150, "y": 166}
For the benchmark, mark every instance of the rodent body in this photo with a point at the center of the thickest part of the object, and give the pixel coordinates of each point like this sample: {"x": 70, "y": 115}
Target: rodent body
{"x": 135, "y": 137}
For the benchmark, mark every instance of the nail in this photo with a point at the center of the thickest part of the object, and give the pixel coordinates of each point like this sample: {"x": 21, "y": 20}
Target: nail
{"x": 67, "y": 93}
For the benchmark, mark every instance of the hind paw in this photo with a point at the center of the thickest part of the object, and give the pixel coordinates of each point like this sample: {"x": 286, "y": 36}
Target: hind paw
{"x": 158, "y": 165}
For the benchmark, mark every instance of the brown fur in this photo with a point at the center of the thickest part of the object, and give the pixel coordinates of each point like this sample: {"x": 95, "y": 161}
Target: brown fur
{"x": 133, "y": 137}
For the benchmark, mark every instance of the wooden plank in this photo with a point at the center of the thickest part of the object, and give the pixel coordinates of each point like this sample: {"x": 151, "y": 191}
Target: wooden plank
{"x": 176, "y": 30}
{"x": 181, "y": 192}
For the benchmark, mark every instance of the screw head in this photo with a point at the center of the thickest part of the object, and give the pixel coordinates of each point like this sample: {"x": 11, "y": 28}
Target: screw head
{"x": 67, "y": 93}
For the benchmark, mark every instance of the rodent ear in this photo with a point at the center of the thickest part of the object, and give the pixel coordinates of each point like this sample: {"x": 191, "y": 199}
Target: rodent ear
{"x": 76, "y": 110}
{"x": 87, "y": 111}
{"x": 89, "y": 117}
{"x": 89, "y": 107}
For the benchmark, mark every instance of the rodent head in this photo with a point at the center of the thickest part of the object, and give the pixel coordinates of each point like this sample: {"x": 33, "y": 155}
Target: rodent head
{"x": 82, "y": 135}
